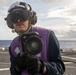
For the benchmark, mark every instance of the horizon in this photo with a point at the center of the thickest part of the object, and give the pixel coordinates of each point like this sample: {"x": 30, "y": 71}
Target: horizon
{"x": 58, "y": 39}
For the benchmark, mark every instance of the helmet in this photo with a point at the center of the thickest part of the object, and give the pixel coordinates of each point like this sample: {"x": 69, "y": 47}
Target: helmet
{"x": 24, "y": 13}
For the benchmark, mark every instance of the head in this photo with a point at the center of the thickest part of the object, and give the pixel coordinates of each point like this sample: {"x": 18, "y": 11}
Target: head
{"x": 21, "y": 17}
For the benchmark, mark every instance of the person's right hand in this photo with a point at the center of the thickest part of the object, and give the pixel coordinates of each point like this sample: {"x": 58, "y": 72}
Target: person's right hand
{"x": 20, "y": 62}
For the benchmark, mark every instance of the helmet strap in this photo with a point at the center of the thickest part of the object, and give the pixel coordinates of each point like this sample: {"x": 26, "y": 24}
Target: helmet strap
{"x": 29, "y": 25}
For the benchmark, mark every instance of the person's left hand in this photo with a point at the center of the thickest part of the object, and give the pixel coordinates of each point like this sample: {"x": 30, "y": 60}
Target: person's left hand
{"x": 34, "y": 66}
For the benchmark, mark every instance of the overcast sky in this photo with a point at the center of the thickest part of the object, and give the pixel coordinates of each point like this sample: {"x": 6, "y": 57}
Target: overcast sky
{"x": 57, "y": 15}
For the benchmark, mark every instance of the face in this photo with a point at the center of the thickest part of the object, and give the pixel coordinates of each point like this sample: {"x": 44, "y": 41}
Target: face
{"x": 21, "y": 26}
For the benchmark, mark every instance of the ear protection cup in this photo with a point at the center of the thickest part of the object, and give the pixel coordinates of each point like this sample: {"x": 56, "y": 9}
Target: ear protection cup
{"x": 33, "y": 18}
{"x": 9, "y": 24}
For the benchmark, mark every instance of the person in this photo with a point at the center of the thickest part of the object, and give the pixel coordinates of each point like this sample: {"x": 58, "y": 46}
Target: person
{"x": 22, "y": 19}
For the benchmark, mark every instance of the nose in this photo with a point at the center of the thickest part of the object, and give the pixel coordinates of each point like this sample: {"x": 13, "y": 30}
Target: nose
{"x": 18, "y": 20}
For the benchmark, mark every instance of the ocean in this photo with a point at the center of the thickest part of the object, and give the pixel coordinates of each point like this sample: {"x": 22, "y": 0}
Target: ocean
{"x": 5, "y": 43}
{"x": 64, "y": 44}
{"x": 68, "y": 44}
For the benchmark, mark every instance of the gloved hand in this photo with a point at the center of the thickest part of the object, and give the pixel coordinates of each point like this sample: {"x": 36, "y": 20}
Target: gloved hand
{"x": 34, "y": 66}
{"x": 21, "y": 62}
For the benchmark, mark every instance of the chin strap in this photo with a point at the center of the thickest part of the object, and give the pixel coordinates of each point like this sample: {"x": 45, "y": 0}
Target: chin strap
{"x": 29, "y": 25}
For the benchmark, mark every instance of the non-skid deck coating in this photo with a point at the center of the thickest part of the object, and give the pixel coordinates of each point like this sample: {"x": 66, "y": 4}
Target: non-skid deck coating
{"x": 69, "y": 59}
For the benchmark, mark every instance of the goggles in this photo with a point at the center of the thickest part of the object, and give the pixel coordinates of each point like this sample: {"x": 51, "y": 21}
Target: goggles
{"x": 22, "y": 15}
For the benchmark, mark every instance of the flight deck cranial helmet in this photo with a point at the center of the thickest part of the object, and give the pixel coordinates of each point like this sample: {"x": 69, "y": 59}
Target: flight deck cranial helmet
{"x": 21, "y": 11}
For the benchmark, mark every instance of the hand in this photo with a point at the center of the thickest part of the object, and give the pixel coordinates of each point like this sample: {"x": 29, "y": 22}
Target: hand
{"x": 34, "y": 66}
{"x": 20, "y": 62}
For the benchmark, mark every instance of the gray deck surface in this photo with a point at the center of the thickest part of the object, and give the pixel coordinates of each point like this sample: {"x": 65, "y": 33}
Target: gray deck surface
{"x": 69, "y": 59}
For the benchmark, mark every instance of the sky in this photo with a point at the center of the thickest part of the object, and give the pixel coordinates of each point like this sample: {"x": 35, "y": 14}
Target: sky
{"x": 56, "y": 15}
